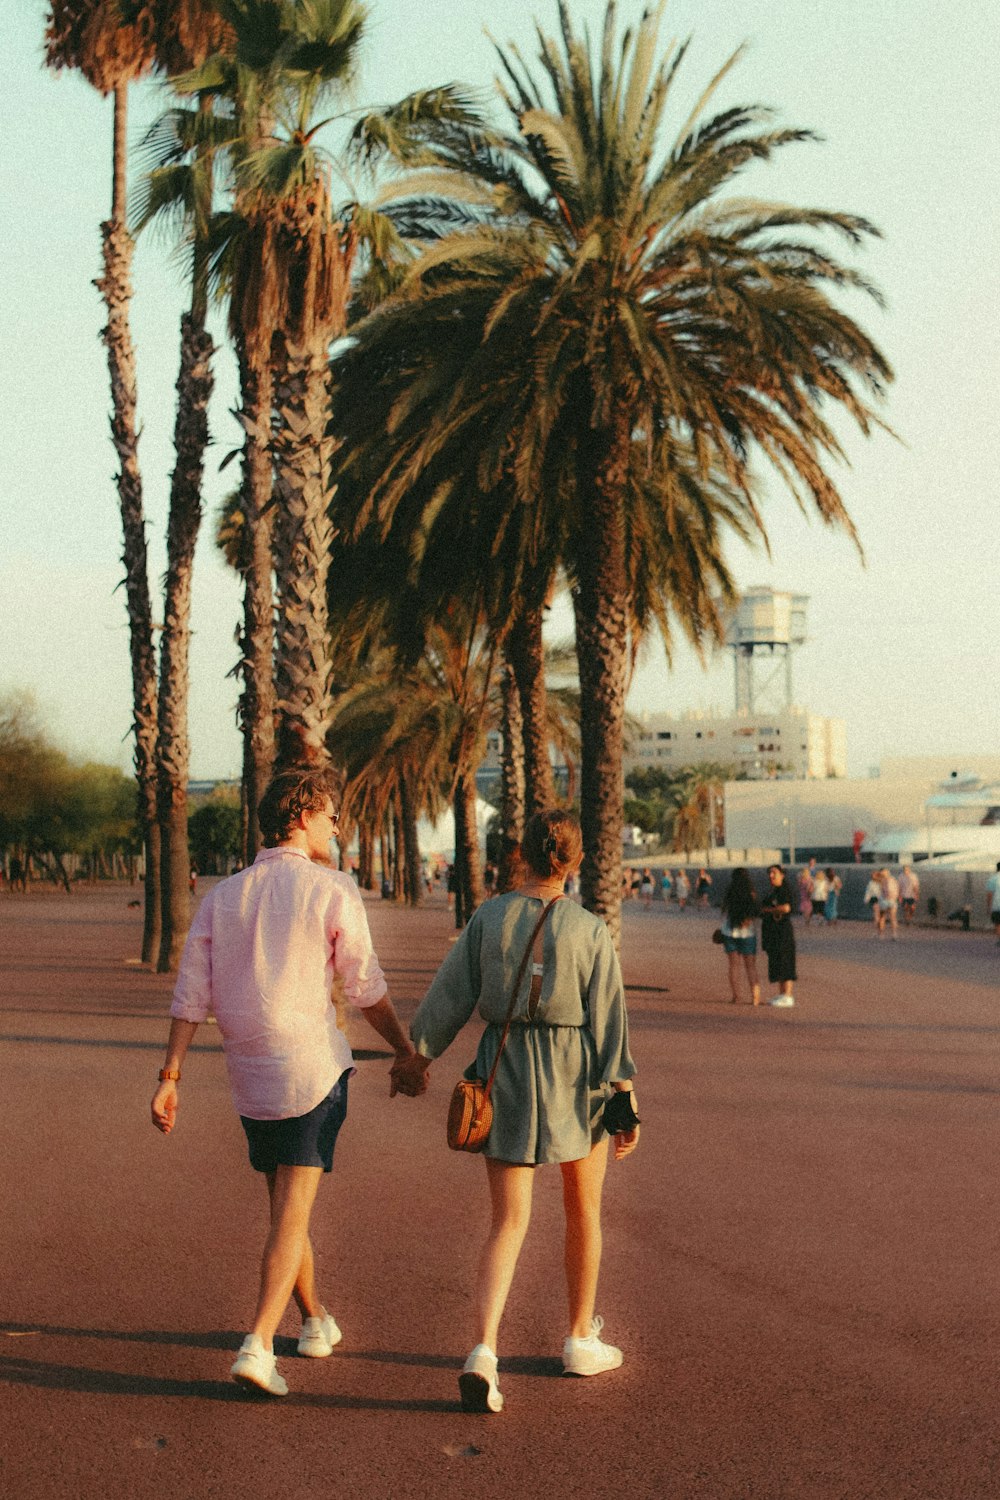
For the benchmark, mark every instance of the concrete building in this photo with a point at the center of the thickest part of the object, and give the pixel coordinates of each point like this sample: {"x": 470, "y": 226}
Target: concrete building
{"x": 788, "y": 742}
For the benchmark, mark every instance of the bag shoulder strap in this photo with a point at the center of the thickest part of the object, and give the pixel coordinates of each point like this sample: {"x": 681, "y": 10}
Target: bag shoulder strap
{"x": 514, "y": 992}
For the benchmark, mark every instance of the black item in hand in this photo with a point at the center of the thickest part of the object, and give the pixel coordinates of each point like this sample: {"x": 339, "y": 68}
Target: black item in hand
{"x": 619, "y": 1113}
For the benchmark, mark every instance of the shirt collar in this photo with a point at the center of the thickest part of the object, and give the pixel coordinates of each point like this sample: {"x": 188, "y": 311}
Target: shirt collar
{"x": 280, "y": 852}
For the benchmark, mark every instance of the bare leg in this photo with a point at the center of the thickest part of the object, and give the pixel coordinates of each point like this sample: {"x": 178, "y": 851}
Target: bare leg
{"x": 304, "y": 1290}
{"x": 510, "y": 1195}
{"x": 734, "y": 977}
{"x": 583, "y": 1182}
{"x": 750, "y": 964}
{"x": 292, "y": 1197}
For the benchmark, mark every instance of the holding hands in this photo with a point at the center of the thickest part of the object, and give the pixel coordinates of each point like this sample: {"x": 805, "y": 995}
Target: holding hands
{"x": 408, "y": 1074}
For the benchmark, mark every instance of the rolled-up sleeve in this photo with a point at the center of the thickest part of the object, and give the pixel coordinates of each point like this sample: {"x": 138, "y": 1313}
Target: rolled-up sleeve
{"x": 607, "y": 1016}
{"x": 452, "y": 996}
{"x": 193, "y": 991}
{"x": 354, "y": 960}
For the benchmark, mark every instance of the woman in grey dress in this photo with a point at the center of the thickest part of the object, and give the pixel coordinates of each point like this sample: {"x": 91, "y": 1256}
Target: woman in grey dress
{"x": 566, "y": 1055}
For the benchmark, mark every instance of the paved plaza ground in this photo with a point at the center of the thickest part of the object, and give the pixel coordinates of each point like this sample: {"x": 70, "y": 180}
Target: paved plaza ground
{"x": 801, "y": 1260}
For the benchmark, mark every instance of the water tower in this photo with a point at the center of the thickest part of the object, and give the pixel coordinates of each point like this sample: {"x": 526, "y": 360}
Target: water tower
{"x": 762, "y": 634}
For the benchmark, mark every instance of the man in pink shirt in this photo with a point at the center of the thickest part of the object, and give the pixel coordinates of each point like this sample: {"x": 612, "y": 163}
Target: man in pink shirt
{"x": 261, "y": 957}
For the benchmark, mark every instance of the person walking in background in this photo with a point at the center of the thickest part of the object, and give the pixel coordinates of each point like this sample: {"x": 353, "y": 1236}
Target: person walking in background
{"x": 740, "y": 909}
{"x": 562, "y": 1087}
{"x": 993, "y": 900}
{"x": 888, "y": 902}
{"x": 778, "y": 937}
{"x": 820, "y": 891}
{"x": 646, "y": 887}
{"x": 805, "y": 888}
{"x": 872, "y": 893}
{"x": 909, "y": 894}
{"x": 261, "y": 956}
{"x": 834, "y": 886}
{"x": 702, "y": 888}
{"x": 666, "y": 886}
{"x": 682, "y": 886}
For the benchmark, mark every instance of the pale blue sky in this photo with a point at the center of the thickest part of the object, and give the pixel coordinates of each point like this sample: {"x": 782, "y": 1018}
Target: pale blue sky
{"x": 904, "y": 649}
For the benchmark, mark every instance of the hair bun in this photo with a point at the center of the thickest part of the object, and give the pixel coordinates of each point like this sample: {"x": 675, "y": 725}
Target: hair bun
{"x": 550, "y": 845}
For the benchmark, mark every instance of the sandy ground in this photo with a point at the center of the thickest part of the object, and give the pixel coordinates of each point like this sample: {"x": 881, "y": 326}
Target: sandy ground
{"x": 800, "y": 1261}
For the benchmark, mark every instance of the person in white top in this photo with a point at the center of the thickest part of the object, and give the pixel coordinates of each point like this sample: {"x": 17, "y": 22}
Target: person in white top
{"x": 261, "y": 956}
{"x": 872, "y": 893}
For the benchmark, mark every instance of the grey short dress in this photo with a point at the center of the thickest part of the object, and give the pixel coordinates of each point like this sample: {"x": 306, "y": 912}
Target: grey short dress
{"x": 556, "y": 1070}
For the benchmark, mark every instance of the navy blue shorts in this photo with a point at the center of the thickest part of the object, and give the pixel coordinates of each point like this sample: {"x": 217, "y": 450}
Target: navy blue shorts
{"x": 302, "y": 1141}
{"x": 746, "y": 945}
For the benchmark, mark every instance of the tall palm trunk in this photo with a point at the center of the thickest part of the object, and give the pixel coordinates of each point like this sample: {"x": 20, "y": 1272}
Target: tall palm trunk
{"x": 413, "y": 882}
{"x": 468, "y": 868}
{"x": 116, "y": 289}
{"x": 257, "y": 641}
{"x": 398, "y": 851}
{"x": 173, "y": 750}
{"x": 599, "y": 604}
{"x": 303, "y": 535}
{"x": 526, "y": 655}
{"x": 366, "y": 857}
{"x": 511, "y": 780}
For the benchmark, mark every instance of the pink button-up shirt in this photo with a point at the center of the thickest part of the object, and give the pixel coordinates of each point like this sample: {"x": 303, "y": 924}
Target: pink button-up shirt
{"x": 261, "y": 957}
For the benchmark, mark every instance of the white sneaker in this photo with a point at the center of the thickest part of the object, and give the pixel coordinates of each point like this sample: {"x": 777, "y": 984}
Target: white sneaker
{"x": 782, "y": 1002}
{"x": 319, "y": 1337}
{"x": 590, "y": 1356}
{"x": 478, "y": 1381}
{"x": 255, "y": 1366}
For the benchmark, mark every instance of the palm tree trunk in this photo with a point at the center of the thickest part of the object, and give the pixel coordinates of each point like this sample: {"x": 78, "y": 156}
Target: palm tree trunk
{"x": 526, "y": 655}
{"x": 173, "y": 750}
{"x": 116, "y": 289}
{"x": 413, "y": 882}
{"x": 303, "y": 535}
{"x": 398, "y": 851}
{"x": 599, "y": 603}
{"x": 468, "y": 869}
{"x": 511, "y": 781}
{"x": 383, "y": 853}
{"x": 366, "y": 857}
{"x": 257, "y": 642}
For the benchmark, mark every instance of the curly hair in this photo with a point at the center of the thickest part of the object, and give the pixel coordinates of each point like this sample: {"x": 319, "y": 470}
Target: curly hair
{"x": 289, "y": 794}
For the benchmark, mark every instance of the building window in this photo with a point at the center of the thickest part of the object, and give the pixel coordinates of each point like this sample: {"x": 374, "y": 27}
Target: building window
{"x": 664, "y": 734}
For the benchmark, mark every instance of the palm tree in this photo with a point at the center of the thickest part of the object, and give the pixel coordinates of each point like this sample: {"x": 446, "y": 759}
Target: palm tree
{"x": 286, "y": 252}
{"x": 178, "y": 190}
{"x": 636, "y": 313}
{"x": 91, "y": 37}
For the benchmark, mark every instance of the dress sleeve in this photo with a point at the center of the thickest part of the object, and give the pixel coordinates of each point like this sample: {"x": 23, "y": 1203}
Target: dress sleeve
{"x": 193, "y": 991}
{"x": 608, "y": 1020}
{"x": 452, "y": 996}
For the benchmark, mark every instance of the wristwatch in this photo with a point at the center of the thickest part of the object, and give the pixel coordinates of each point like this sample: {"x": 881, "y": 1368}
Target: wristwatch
{"x": 170, "y": 1075}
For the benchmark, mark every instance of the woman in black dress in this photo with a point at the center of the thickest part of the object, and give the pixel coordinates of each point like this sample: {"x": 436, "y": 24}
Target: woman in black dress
{"x": 777, "y": 937}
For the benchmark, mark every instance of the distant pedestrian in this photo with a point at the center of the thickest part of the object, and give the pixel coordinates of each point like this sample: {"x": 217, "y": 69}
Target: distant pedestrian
{"x": 777, "y": 937}
{"x": 702, "y": 887}
{"x": 888, "y": 902}
{"x": 872, "y": 893}
{"x": 18, "y": 873}
{"x": 819, "y": 893}
{"x": 683, "y": 888}
{"x": 993, "y": 899}
{"x": 666, "y": 885}
{"x": 490, "y": 878}
{"x": 834, "y": 886}
{"x": 740, "y": 908}
{"x": 646, "y": 887}
{"x": 805, "y": 889}
{"x": 909, "y": 893}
